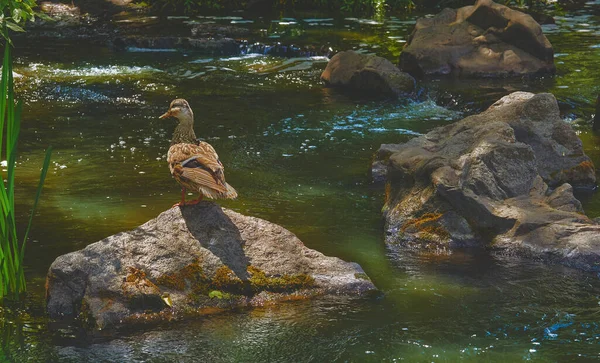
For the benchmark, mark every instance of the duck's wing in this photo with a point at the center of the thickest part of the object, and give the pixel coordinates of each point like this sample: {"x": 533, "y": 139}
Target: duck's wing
{"x": 198, "y": 164}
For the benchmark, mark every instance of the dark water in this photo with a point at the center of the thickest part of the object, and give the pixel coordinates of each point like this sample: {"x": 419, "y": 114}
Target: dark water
{"x": 298, "y": 154}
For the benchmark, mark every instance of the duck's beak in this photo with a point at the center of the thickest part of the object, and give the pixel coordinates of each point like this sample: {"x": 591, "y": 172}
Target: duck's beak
{"x": 166, "y": 114}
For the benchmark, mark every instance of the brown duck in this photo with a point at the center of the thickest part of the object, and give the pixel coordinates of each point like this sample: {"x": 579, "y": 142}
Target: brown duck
{"x": 194, "y": 164}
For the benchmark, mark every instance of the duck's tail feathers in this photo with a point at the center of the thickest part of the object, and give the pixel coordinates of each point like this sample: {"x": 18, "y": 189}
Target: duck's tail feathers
{"x": 228, "y": 193}
{"x": 231, "y": 193}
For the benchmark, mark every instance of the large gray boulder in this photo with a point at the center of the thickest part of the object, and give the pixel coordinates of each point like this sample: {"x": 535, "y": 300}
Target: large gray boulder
{"x": 482, "y": 40}
{"x": 188, "y": 259}
{"x": 367, "y": 74}
{"x": 500, "y": 179}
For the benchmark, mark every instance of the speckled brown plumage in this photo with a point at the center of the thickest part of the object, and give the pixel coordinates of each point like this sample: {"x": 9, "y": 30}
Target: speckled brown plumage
{"x": 194, "y": 164}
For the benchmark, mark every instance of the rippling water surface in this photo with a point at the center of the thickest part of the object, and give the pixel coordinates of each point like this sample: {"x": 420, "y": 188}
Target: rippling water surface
{"x": 299, "y": 155}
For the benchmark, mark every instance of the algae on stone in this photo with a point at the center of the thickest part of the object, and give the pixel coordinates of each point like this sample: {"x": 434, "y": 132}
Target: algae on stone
{"x": 259, "y": 281}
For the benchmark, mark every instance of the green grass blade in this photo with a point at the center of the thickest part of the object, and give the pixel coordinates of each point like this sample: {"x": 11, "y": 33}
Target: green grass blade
{"x": 12, "y": 130}
{"x": 4, "y": 89}
{"x": 13, "y": 126}
{"x": 6, "y": 66}
{"x": 3, "y": 94}
{"x": 38, "y": 193}
{"x": 3, "y": 287}
{"x": 6, "y": 271}
{"x": 4, "y": 243}
{"x": 6, "y": 190}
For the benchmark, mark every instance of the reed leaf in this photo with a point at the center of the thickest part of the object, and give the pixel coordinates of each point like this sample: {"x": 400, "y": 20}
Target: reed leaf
{"x": 12, "y": 249}
{"x": 38, "y": 193}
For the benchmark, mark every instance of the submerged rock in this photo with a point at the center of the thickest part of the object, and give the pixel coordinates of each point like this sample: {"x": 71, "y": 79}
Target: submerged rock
{"x": 486, "y": 39}
{"x": 501, "y": 179}
{"x": 368, "y": 74}
{"x": 188, "y": 259}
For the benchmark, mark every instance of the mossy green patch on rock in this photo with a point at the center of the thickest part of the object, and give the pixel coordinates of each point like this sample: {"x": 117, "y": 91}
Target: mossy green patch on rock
{"x": 225, "y": 279}
{"x": 219, "y": 295}
{"x": 171, "y": 281}
{"x": 259, "y": 281}
{"x": 191, "y": 274}
{"x": 192, "y": 280}
{"x": 225, "y": 284}
{"x": 138, "y": 277}
{"x": 362, "y": 276}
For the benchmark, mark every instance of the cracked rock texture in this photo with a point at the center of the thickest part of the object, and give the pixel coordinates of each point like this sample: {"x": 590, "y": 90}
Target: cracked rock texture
{"x": 501, "y": 179}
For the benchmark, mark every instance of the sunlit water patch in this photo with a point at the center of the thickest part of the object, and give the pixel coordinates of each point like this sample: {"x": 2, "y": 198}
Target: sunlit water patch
{"x": 88, "y": 72}
{"x": 313, "y": 133}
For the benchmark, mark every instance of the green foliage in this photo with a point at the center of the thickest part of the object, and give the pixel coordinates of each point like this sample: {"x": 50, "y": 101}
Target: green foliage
{"x": 14, "y": 14}
{"x": 12, "y": 250}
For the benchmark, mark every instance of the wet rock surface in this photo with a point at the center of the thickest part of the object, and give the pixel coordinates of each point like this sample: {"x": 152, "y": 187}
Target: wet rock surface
{"x": 501, "y": 179}
{"x": 188, "y": 260}
{"x": 483, "y": 40}
{"x": 367, "y": 74}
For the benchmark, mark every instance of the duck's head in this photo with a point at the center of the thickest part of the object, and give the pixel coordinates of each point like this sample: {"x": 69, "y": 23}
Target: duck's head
{"x": 181, "y": 110}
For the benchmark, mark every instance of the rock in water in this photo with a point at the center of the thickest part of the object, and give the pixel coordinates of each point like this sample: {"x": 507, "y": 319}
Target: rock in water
{"x": 501, "y": 179}
{"x": 367, "y": 74}
{"x": 483, "y": 40}
{"x": 191, "y": 258}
